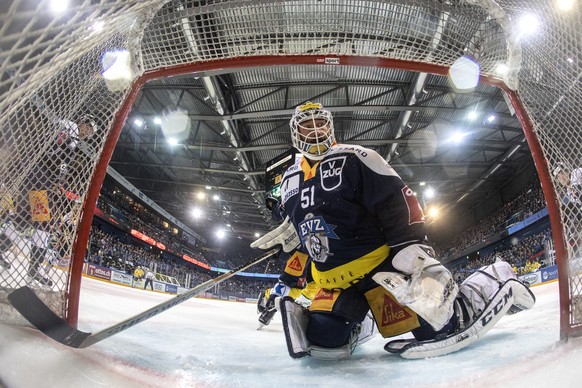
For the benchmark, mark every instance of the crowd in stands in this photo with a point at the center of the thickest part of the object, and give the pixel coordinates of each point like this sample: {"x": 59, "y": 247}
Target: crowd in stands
{"x": 528, "y": 202}
{"x": 525, "y": 256}
{"x": 138, "y": 217}
{"x": 122, "y": 252}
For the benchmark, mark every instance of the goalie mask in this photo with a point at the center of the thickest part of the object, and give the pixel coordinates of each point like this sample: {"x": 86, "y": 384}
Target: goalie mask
{"x": 312, "y": 130}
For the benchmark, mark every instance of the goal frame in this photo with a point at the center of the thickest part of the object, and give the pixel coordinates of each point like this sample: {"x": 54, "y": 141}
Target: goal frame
{"x": 552, "y": 201}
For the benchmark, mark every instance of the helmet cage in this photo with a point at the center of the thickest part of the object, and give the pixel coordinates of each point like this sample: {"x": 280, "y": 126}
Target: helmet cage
{"x": 312, "y": 131}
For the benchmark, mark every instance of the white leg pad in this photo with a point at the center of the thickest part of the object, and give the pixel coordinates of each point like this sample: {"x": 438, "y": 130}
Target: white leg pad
{"x": 294, "y": 325}
{"x": 363, "y": 332}
{"x": 295, "y": 320}
{"x": 478, "y": 289}
{"x": 424, "y": 284}
{"x": 510, "y": 294}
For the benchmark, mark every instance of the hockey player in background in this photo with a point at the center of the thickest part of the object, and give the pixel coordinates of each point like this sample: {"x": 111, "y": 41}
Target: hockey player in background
{"x": 149, "y": 279}
{"x": 362, "y": 232}
{"x": 45, "y": 196}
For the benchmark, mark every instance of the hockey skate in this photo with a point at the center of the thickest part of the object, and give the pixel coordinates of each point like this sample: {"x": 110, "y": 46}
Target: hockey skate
{"x": 484, "y": 297}
{"x": 39, "y": 280}
{"x": 34, "y": 271}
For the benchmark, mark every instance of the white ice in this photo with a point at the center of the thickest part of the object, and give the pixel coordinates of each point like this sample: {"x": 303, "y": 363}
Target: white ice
{"x": 209, "y": 343}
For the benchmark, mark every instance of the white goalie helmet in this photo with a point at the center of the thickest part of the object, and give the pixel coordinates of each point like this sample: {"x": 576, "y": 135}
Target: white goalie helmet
{"x": 312, "y": 130}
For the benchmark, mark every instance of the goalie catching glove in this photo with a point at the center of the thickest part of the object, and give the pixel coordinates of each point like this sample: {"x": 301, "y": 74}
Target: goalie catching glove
{"x": 284, "y": 235}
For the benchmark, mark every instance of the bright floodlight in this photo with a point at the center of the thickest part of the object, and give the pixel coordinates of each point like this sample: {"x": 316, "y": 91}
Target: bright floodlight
{"x": 215, "y": 197}
{"x": 58, "y": 6}
{"x": 501, "y": 69}
{"x": 472, "y": 115}
{"x": 172, "y": 141}
{"x": 220, "y": 233}
{"x": 565, "y": 5}
{"x": 464, "y": 74}
{"x": 491, "y": 118}
{"x": 138, "y": 122}
{"x": 197, "y": 212}
{"x": 433, "y": 212}
{"x": 429, "y": 193}
{"x": 157, "y": 120}
{"x": 98, "y": 26}
{"x": 116, "y": 70}
{"x": 528, "y": 24}
{"x": 200, "y": 195}
{"x": 257, "y": 235}
{"x": 457, "y": 137}
{"x": 175, "y": 123}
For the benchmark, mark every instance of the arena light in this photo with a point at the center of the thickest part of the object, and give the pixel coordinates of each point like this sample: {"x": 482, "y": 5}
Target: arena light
{"x": 528, "y": 24}
{"x": 197, "y": 212}
{"x": 59, "y": 6}
{"x": 116, "y": 67}
{"x": 98, "y": 26}
{"x": 175, "y": 123}
{"x": 257, "y": 235}
{"x": 138, "y": 122}
{"x": 220, "y": 233}
{"x": 215, "y": 197}
{"x": 429, "y": 193}
{"x": 464, "y": 74}
{"x": 565, "y": 5}
{"x": 157, "y": 120}
{"x": 172, "y": 141}
{"x": 433, "y": 212}
{"x": 457, "y": 137}
{"x": 472, "y": 115}
{"x": 491, "y": 118}
{"x": 200, "y": 195}
{"x": 501, "y": 69}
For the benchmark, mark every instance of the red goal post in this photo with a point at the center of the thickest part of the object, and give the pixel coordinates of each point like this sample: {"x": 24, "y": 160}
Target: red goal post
{"x": 57, "y": 67}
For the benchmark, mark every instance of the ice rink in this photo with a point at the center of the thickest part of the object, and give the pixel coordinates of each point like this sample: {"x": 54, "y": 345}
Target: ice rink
{"x": 209, "y": 343}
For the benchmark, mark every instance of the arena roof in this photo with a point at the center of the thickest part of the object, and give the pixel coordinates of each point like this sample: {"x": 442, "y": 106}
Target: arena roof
{"x": 465, "y": 146}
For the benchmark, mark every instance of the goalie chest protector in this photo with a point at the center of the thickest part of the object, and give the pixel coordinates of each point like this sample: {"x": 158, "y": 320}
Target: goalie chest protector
{"x": 349, "y": 204}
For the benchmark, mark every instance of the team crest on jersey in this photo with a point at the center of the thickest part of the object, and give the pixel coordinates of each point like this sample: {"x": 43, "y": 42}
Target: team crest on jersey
{"x": 315, "y": 233}
{"x": 331, "y": 172}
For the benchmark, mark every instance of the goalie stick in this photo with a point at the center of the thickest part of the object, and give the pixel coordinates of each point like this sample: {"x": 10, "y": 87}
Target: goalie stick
{"x": 44, "y": 319}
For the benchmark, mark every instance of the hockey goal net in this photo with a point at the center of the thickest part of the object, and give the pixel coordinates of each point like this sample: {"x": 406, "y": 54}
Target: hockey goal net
{"x": 57, "y": 67}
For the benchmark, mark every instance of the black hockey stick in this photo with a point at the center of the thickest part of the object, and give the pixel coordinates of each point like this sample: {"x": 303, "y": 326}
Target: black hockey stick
{"x": 44, "y": 319}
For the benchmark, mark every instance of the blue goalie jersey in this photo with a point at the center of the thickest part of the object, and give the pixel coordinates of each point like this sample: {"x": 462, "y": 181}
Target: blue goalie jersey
{"x": 349, "y": 209}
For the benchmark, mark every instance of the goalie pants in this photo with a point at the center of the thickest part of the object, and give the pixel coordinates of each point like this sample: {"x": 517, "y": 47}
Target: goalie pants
{"x": 331, "y": 322}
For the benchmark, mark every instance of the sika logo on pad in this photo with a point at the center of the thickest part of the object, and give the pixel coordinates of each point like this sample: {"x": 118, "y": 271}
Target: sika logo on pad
{"x": 392, "y": 312}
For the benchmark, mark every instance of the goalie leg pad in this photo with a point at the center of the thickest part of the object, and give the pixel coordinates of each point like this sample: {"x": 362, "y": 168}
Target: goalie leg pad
{"x": 361, "y": 333}
{"x": 295, "y": 320}
{"x": 423, "y": 284}
{"x": 512, "y": 293}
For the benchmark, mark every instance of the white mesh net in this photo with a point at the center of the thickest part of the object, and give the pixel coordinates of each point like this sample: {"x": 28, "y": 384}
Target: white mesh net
{"x": 56, "y": 67}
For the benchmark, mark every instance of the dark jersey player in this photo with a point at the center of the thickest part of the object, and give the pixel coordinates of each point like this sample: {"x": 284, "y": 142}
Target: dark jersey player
{"x": 363, "y": 232}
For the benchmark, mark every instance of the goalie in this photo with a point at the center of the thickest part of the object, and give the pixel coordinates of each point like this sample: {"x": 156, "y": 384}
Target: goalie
{"x": 364, "y": 233}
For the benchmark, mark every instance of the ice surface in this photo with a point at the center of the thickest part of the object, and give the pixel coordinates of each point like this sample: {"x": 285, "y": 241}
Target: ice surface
{"x": 209, "y": 343}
